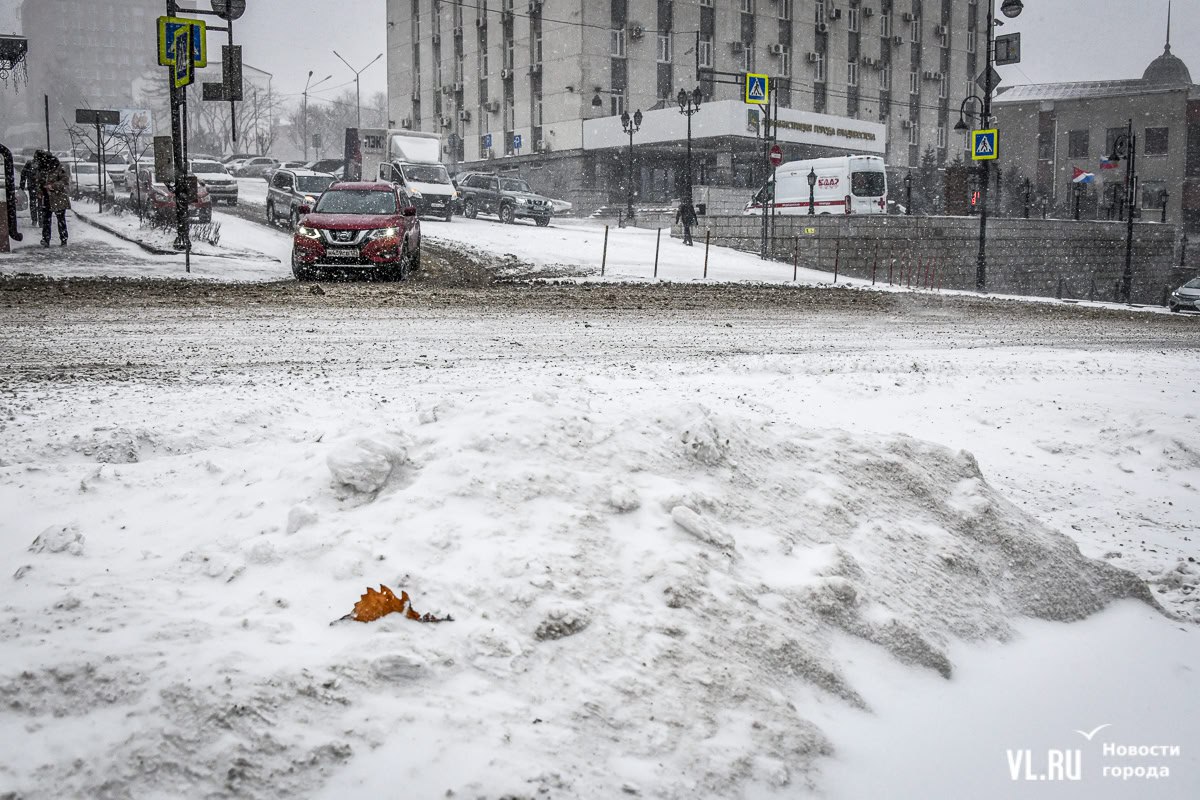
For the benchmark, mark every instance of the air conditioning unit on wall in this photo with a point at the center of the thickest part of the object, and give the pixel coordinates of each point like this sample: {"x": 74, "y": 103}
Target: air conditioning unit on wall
{"x": 776, "y": 49}
{"x": 491, "y": 106}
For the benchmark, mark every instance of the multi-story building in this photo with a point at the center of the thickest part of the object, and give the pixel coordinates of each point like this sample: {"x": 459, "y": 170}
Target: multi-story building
{"x": 553, "y": 76}
{"x": 1050, "y": 130}
{"x": 87, "y": 54}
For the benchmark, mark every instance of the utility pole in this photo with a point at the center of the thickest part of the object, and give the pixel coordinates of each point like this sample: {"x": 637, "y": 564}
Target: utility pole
{"x": 357, "y": 73}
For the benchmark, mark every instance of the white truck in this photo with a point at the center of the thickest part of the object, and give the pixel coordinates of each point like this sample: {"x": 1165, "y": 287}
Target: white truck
{"x": 412, "y": 161}
{"x": 843, "y": 185}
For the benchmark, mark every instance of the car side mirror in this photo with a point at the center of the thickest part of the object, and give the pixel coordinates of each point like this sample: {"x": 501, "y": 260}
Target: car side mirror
{"x": 305, "y": 209}
{"x": 409, "y": 211}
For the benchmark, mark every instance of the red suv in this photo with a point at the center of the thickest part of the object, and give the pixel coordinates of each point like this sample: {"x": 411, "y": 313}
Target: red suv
{"x": 367, "y": 227}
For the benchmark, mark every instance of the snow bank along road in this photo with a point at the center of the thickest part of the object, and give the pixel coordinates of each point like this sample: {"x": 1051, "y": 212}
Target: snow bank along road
{"x": 697, "y": 541}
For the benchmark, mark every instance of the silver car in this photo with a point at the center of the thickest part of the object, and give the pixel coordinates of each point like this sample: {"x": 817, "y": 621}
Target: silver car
{"x": 1186, "y": 297}
{"x": 221, "y": 185}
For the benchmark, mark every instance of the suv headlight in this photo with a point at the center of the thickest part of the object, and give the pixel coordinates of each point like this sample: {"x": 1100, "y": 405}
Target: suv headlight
{"x": 307, "y": 232}
{"x": 521, "y": 201}
{"x": 414, "y": 193}
{"x": 383, "y": 233}
{"x": 310, "y": 200}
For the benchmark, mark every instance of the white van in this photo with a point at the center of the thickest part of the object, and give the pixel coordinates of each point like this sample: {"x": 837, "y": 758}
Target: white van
{"x": 845, "y": 185}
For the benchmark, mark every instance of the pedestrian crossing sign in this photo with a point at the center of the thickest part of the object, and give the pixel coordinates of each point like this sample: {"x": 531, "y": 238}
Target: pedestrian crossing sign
{"x": 758, "y": 89}
{"x": 985, "y": 145}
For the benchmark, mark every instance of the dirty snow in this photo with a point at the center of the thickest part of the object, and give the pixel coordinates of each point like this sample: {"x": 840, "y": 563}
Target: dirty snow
{"x": 723, "y": 566}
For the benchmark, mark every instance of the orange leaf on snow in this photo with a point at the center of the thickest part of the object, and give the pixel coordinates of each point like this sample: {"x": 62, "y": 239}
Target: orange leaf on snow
{"x": 375, "y": 604}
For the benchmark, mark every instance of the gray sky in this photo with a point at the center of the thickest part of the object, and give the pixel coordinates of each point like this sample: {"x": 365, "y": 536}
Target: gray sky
{"x": 1063, "y": 40}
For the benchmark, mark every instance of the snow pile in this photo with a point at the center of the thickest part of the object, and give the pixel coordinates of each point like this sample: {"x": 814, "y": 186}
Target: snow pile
{"x": 646, "y": 601}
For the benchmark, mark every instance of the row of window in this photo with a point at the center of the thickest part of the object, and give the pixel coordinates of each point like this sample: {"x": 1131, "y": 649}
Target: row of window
{"x": 1155, "y": 141}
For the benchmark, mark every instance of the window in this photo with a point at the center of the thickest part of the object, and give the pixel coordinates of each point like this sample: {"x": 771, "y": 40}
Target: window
{"x": 706, "y": 3}
{"x": 706, "y": 51}
{"x": 819, "y": 16}
{"x": 616, "y": 43}
{"x": 747, "y": 57}
{"x": 912, "y": 134}
{"x": 885, "y": 26}
{"x": 914, "y": 83}
{"x": 852, "y": 73}
{"x": 852, "y": 19}
{"x": 1077, "y": 144}
{"x": 819, "y": 68}
{"x": 941, "y": 136}
{"x": 1110, "y": 139}
{"x": 785, "y": 9}
{"x": 914, "y": 31}
{"x": 1156, "y": 141}
{"x": 664, "y": 48}
{"x": 885, "y": 78}
{"x": 971, "y": 41}
{"x": 747, "y": 6}
{"x": 785, "y": 61}
{"x": 1153, "y": 195}
{"x": 943, "y": 87}
{"x": 537, "y": 49}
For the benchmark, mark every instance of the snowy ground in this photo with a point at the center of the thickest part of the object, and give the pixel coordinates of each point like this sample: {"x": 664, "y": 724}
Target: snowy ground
{"x": 699, "y": 551}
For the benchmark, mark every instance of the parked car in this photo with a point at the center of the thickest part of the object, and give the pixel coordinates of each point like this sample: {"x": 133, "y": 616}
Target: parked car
{"x": 258, "y": 167}
{"x": 290, "y": 189}
{"x": 457, "y": 181}
{"x": 560, "y": 207}
{"x": 158, "y": 199}
{"x": 360, "y": 227}
{"x": 1186, "y": 297}
{"x": 509, "y": 198}
{"x": 226, "y": 160}
{"x": 331, "y": 166}
{"x": 86, "y": 181}
{"x": 221, "y": 185}
{"x": 114, "y": 164}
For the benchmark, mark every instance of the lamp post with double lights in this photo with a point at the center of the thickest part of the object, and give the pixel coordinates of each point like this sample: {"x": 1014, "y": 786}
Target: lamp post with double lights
{"x": 1125, "y": 146}
{"x": 357, "y": 73}
{"x": 689, "y": 104}
{"x": 812, "y": 191}
{"x": 631, "y": 125}
{"x": 308, "y": 84}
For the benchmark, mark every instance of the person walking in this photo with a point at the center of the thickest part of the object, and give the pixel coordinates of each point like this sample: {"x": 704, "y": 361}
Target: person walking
{"x": 56, "y": 197}
{"x": 32, "y": 187}
{"x": 687, "y": 215}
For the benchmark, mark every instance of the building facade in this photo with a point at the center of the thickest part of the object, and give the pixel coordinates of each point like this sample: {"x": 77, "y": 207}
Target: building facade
{"x": 86, "y": 54}
{"x": 540, "y": 84}
{"x": 1050, "y": 130}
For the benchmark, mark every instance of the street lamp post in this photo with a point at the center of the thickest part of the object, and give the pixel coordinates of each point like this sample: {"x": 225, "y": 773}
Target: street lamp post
{"x": 308, "y": 84}
{"x": 908, "y": 194}
{"x": 631, "y": 125}
{"x": 357, "y": 92}
{"x": 812, "y": 191}
{"x": 689, "y": 104}
{"x": 1125, "y": 146}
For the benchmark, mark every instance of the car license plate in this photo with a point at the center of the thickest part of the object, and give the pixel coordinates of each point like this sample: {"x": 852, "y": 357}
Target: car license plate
{"x": 341, "y": 252}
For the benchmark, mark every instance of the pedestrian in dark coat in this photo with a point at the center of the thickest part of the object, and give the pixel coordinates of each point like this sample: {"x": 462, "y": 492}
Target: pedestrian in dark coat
{"x": 32, "y": 187}
{"x": 56, "y": 197}
{"x": 687, "y": 215}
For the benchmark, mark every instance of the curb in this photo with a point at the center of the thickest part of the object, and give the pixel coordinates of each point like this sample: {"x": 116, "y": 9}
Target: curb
{"x": 158, "y": 251}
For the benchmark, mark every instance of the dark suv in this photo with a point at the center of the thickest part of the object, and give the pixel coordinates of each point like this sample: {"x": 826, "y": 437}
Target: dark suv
{"x": 508, "y": 198}
{"x": 289, "y": 189}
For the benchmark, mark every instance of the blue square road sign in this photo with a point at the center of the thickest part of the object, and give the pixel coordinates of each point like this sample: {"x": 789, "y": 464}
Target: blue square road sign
{"x": 985, "y": 145}
{"x": 487, "y": 141}
{"x": 516, "y": 141}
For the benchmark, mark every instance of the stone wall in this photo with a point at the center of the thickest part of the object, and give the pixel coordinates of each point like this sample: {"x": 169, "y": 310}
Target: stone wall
{"x": 1045, "y": 258}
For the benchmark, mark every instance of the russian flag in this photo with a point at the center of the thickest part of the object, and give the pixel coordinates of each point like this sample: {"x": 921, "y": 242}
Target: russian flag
{"x": 1082, "y": 177}
{"x": 1106, "y": 164}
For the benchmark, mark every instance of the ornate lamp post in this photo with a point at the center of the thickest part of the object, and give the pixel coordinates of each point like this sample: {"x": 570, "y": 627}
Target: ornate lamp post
{"x": 812, "y": 191}
{"x": 1125, "y": 146}
{"x": 689, "y": 104}
{"x": 631, "y": 125}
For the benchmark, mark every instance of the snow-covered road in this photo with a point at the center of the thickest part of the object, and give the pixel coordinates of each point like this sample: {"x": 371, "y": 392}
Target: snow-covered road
{"x": 704, "y": 548}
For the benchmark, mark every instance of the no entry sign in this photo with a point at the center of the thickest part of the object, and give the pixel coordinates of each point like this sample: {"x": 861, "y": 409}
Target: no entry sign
{"x": 776, "y": 156}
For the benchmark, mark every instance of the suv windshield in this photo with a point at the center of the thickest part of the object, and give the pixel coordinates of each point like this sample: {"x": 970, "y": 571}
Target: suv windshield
{"x": 312, "y": 184}
{"x": 208, "y": 167}
{"x": 1194, "y": 283}
{"x": 356, "y": 201}
{"x": 434, "y": 173}
{"x": 867, "y": 184}
{"x": 514, "y": 185}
